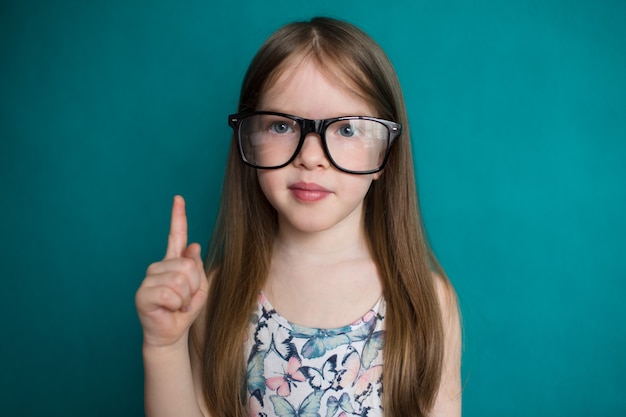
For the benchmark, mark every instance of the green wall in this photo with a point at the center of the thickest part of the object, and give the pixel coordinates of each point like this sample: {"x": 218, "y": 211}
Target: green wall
{"x": 518, "y": 110}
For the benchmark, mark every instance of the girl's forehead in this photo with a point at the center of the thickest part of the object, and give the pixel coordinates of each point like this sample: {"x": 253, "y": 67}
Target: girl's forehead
{"x": 305, "y": 84}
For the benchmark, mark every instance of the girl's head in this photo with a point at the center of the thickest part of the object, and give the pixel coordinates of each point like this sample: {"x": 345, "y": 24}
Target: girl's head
{"x": 348, "y": 57}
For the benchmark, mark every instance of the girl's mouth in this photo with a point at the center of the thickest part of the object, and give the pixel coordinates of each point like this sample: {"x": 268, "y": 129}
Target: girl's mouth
{"x": 308, "y": 192}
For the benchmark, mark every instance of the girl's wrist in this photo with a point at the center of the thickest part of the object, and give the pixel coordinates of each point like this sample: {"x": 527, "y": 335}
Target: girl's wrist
{"x": 153, "y": 349}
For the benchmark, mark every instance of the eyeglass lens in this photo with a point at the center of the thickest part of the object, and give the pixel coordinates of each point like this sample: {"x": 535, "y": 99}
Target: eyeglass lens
{"x": 358, "y": 145}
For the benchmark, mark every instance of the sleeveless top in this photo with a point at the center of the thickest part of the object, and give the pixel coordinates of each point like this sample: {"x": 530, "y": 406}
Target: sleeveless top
{"x": 295, "y": 370}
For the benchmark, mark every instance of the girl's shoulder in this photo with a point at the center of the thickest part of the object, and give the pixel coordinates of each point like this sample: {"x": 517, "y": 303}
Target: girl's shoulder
{"x": 446, "y": 295}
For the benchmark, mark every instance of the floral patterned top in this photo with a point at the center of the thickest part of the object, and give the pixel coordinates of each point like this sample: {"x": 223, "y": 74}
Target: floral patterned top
{"x": 301, "y": 371}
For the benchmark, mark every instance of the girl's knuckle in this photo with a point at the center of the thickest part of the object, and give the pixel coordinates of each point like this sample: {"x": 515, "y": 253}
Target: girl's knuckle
{"x": 188, "y": 264}
{"x": 178, "y": 281}
{"x": 167, "y": 295}
{"x": 152, "y": 268}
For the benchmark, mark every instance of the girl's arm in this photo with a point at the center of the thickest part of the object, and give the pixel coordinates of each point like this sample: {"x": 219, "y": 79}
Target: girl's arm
{"x": 168, "y": 383}
{"x": 448, "y": 401}
{"x": 169, "y": 300}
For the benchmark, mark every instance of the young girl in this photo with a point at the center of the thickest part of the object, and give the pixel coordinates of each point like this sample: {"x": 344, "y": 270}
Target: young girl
{"x": 321, "y": 296}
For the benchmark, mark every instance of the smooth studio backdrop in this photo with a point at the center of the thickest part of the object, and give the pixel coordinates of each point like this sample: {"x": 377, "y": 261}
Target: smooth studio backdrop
{"x": 518, "y": 115}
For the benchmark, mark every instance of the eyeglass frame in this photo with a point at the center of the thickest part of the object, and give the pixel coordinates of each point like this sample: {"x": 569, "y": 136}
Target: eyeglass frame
{"x": 319, "y": 127}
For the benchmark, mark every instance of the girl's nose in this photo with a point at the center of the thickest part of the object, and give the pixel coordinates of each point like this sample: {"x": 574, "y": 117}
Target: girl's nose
{"x": 312, "y": 153}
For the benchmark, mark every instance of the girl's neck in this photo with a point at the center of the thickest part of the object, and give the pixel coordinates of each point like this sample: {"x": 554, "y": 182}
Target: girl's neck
{"x": 320, "y": 248}
{"x": 323, "y": 279}
{"x": 344, "y": 241}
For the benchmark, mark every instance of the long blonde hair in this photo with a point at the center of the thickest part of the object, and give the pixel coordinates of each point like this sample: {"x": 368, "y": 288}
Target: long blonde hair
{"x": 242, "y": 243}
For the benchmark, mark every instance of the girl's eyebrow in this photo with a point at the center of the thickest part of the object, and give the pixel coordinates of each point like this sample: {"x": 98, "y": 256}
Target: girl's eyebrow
{"x": 343, "y": 114}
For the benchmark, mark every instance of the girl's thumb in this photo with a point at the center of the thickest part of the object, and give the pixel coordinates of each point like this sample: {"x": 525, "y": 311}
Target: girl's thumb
{"x": 194, "y": 251}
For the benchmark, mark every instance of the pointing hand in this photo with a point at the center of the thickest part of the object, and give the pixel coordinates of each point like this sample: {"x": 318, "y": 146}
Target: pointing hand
{"x": 174, "y": 290}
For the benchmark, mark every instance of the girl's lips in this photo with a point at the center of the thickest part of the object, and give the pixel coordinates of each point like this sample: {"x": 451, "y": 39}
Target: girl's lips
{"x": 308, "y": 192}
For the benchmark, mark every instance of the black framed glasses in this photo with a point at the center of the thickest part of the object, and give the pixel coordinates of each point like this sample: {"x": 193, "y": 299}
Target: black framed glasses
{"x": 353, "y": 144}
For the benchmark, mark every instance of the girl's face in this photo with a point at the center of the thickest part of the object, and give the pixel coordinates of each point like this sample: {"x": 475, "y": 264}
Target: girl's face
{"x": 310, "y": 194}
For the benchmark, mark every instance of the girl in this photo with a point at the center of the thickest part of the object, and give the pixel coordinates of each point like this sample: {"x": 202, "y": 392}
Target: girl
{"x": 321, "y": 297}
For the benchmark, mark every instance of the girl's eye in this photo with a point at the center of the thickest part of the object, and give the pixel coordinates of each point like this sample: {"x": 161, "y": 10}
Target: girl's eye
{"x": 280, "y": 127}
{"x": 346, "y": 131}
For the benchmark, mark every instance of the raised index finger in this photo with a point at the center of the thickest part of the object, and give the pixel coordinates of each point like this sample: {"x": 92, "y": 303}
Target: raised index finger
{"x": 177, "y": 239}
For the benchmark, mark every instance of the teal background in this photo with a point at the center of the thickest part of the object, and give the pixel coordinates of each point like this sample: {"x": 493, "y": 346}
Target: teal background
{"x": 518, "y": 114}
